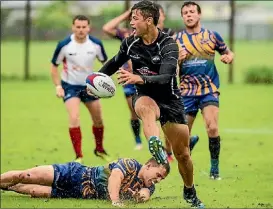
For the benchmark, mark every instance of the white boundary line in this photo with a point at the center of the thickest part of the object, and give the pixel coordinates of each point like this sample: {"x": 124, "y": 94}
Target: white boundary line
{"x": 248, "y": 131}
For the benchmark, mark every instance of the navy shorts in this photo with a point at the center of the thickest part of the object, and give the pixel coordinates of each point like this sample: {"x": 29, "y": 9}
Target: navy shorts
{"x": 76, "y": 91}
{"x": 129, "y": 90}
{"x": 194, "y": 103}
{"x": 69, "y": 180}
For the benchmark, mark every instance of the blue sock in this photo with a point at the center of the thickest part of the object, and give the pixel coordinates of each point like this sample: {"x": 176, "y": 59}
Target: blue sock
{"x": 214, "y": 166}
{"x": 135, "y": 124}
{"x": 138, "y": 140}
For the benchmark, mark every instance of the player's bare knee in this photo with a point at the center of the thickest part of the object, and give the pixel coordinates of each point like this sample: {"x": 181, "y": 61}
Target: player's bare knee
{"x": 74, "y": 120}
{"x": 212, "y": 130}
{"x": 182, "y": 155}
{"x": 143, "y": 110}
{"x": 97, "y": 122}
{"x": 24, "y": 176}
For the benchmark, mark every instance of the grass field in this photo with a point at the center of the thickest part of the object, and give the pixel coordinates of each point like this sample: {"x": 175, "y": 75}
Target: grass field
{"x": 34, "y": 132}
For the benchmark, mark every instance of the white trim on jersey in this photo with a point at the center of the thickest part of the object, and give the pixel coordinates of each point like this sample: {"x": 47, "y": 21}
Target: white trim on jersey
{"x": 78, "y": 58}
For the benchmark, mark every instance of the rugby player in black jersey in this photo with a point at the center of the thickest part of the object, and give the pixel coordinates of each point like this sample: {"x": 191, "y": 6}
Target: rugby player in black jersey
{"x": 154, "y": 57}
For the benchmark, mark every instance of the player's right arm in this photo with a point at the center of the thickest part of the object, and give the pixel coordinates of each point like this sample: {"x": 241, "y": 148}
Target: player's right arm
{"x": 114, "y": 184}
{"x": 57, "y": 58}
{"x": 123, "y": 168}
{"x": 117, "y": 61}
{"x": 110, "y": 27}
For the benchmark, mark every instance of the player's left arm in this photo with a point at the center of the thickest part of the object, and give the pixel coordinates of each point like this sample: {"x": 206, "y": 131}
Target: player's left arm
{"x": 227, "y": 55}
{"x": 101, "y": 54}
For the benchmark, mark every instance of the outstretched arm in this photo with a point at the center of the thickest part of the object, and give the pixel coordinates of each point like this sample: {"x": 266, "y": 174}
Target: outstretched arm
{"x": 117, "y": 61}
{"x": 114, "y": 184}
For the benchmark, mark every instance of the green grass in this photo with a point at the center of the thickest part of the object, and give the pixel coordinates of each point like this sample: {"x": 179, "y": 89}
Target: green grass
{"x": 34, "y": 132}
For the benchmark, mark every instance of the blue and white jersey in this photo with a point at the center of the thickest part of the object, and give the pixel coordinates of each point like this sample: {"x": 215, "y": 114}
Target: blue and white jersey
{"x": 78, "y": 58}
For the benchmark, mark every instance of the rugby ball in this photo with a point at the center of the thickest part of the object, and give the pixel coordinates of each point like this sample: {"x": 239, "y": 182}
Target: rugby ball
{"x": 100, "y": 85}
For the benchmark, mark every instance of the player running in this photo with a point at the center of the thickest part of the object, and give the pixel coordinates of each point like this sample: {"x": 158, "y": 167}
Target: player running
{"x": 119, "y": 180}
{"x": 198, "y": 76}
{"x": 78, "y": 53}
{"x": 154, "y": 57}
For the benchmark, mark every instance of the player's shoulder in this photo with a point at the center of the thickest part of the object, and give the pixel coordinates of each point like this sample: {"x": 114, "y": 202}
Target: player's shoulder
{"x": 94, "y": 40}
{"x": 164, "y": 39}
{"x": 130, "y": 160}
{"x": 210, "y": 32}
{"x": 65, "y": 41}
{"x": 168, "y": 31}
{"x": 130, "y": 40}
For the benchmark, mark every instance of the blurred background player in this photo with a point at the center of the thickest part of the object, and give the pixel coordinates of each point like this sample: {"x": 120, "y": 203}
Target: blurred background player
{"x": 199, "y": 77}
{"x": 119, "y": 180}
{"x": 112, "y": 29}
{"x": 78, "y": 53}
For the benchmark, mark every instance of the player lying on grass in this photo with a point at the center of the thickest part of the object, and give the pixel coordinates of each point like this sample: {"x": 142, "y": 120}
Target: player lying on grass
{"x": 123, "y": 179}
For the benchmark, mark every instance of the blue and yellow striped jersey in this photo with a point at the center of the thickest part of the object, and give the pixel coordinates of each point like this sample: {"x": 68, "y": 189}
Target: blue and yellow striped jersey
{"x": 198, "y": 73}
{"x": 130, "y": 169}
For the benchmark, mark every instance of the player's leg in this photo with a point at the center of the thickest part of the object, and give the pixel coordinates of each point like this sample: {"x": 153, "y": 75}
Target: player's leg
{"x": 41, "y": 175}
{"x": 73, "y": 108}
{"x": 168, "y": 149}
{"x": 135, "y": 124}
{"x": 129, "y": 91}
{"x": 94, "y": 107}
{"x": 191, "y": 110}
{"x": 72, "y": 104}
{"x": 148, "y": 111}
{"x": 210, "y": 111}
{"x": 175, "y": 128}
{"x": 32, "y": 189}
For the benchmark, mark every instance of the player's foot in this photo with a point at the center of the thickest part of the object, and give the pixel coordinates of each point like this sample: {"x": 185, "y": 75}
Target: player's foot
{"x": 191, "y": 198}
{"x": 78, "y": 160}
{"x": 157, "y": 150}
{"x": 103, "y": 155}
{"x": 138, "y": 147}
{"x": 214, "y": 169}
{"x": 215, "y": 176}
{"x": 193, "y": 142}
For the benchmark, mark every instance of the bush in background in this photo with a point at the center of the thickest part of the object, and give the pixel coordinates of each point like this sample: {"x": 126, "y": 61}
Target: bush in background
{"x": 260, "y": 74}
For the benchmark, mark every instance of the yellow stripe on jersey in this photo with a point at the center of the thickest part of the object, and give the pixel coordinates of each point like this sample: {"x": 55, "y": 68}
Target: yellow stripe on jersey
{"x": 198, "y": 90}
{"x": 206, "y": 85}
{"x": 190, "y": 89}
{"x": 198, "y": 46}
{"x": 189, "y": 46}
{"x": 209, "y": 48}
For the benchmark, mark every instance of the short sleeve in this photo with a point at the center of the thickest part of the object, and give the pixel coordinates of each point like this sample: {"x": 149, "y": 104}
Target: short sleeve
{"x": 220, "y": 44}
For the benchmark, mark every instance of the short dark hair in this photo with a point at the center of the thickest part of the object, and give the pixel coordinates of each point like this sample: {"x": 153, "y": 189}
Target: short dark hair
{"x": 191, "y": 3}
{"x": 153, "y": 162}
{"x": 81, "y": 17}
{"x": 147, "y": 9}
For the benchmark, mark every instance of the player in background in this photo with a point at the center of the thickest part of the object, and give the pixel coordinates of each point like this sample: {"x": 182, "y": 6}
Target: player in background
{"x": 112, "y": 29}
{"x": 154, "y": 57}
{"x": 199, "y": 77}
{"x": 78, "y": 53}
{"x": 123, "y": 179}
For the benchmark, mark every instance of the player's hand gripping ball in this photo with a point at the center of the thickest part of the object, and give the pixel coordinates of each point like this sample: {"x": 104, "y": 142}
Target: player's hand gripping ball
{"x": 100, "y": 85}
